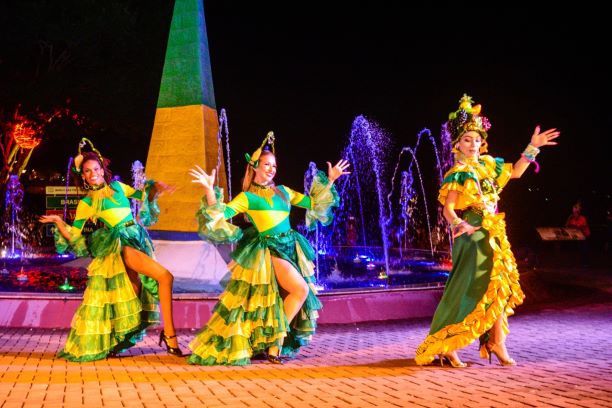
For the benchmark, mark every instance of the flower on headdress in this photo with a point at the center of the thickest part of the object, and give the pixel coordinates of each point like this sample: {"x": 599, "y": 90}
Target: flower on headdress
{"x": 465, "y": 119}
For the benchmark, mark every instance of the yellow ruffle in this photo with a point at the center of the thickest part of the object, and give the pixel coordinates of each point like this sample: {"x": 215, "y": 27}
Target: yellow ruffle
{"x": 307, "y": 269}
{"x": 245, "y": 329}
{"x": 468, "y": 196}
{"x": 218, "y": 223}
{"x": 261, "y": 272}
{"x": 502, "y": 295}
{"x": 208, "y": 348}
{"x": 233, "y": 301}
{"x": 469, "y": 193}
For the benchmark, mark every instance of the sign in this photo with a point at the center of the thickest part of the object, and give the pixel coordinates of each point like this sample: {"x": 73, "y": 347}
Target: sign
{"x": 59, "y": 201}
{"x": 88, "y": 228}
{"x": 70, "y": 214}
{"x": 61, "y": 190}
{"x": 560, "y": 234}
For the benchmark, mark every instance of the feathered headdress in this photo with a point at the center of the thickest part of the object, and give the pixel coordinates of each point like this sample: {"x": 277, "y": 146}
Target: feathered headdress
{"x": 466, "y": 118}
{"x": 268, "y": 142}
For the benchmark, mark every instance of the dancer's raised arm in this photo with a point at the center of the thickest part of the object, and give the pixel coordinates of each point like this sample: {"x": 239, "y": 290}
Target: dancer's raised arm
{"x": 333, "y": 173}
{"x": 207, "y": 181}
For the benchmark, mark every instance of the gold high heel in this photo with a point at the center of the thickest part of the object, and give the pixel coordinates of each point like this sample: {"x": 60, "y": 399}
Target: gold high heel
{"x": 175, "y": 351}
{"x": 484, "y": 352}
{"x": 274, "y": 358}
{"x": 454, "y": 362}
{"x": 502, "y": 361}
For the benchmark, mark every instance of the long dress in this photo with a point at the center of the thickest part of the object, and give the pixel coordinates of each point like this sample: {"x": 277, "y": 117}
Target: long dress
{"x": 484, "y": 282}
{"x": 111, "y": 317}
{"x": 249, "y": 316}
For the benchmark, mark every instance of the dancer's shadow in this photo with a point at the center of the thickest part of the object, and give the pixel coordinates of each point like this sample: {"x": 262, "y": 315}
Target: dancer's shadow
{"x": 391, "y": 363}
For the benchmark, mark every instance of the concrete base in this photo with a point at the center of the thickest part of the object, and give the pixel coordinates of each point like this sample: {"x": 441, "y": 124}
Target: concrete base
{"x": 196, "y": 265}
{"x": 193, "y": 311}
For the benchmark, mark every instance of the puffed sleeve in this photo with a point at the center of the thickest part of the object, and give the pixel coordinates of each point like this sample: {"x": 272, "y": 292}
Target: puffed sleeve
{"x": 324, "y": 198}
{"x": 464, "y": 182}
{"x": 76, "y": 244}
{"x": 503, "y": 171}
{"x": 212, "y": 219}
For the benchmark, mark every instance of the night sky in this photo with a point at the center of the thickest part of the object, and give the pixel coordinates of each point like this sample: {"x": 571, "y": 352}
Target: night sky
{"x": 306, "y": 71}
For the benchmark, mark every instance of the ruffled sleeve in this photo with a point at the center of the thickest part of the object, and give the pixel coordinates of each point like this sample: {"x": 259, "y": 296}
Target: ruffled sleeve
{"x": 148, "y": 213}
{"x": 212, "y": 219}
{"x": 464, "y": 182}
{"x": 324, "y": 198}
{"x": 503, "y": 171}
{"x": 77, "y": 243}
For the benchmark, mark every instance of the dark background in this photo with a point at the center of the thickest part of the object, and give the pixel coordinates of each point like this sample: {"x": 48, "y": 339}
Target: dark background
{"x": 306, "y": 70}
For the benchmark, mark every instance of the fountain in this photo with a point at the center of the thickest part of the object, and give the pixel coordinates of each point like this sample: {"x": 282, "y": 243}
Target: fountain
{"x": 12, "y": 219}
{"x": 373, "y": 240}
{"x": 369, "y": 252}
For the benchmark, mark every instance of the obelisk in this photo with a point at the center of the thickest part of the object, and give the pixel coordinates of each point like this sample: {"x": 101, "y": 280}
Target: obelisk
{"x": 184, "y": 134}
{"x": 186, "y": 121}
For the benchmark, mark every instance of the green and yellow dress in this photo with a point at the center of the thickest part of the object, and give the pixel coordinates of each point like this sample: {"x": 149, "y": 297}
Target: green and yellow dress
{"x": 249, "y": 316}
{"x": 112, "y": 317}
{"x": 484, "y": 281}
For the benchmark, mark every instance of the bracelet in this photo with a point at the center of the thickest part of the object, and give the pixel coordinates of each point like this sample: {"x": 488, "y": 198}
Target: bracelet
{"x": 530, "y": 154}
{"x": 456, "y": 222}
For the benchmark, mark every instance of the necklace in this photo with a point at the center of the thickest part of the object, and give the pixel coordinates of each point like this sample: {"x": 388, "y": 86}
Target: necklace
{"x": 261, "y": 186}
{"x": 265, "y": 192}
{"x": 98, "y": 194}
{"x": 98, "y": 187}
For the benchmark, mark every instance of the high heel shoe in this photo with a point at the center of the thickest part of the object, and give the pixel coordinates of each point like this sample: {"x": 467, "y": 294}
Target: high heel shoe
{"x": 275, "y": 359}
{"x": 484, "y": 352}
{"x": 504, "y": 361}
{"x": 453, "y": 361}
{"x": 175, "y": 351}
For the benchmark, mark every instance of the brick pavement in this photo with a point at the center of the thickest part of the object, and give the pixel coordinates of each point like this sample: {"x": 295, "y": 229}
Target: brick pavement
{"x": 560, "y": 337}
{"x": 564, "y": 354}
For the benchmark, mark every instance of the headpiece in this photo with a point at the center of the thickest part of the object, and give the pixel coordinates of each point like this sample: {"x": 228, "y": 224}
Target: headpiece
{"x": 466, "y": 118}
{"x": 267, "y": 144}
{"x": 78, "y": 160}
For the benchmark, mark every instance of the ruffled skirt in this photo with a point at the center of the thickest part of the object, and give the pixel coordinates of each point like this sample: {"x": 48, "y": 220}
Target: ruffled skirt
{"x": 249, "y": 316}
{"x": 482, "y": 286}
{"x": 112, "y": 317}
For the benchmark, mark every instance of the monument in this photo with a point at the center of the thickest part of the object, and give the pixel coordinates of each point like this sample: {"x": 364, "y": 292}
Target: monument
{"x": 185, "y": 132}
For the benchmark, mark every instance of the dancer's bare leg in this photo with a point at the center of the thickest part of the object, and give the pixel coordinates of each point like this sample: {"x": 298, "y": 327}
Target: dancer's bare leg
{"x": 498, "y": 337}
{"x": 144, "y": 264}
{"x": 294, "y": 284}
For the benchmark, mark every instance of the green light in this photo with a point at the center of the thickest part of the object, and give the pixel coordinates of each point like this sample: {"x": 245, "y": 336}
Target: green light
{"x": 66, "y": 286}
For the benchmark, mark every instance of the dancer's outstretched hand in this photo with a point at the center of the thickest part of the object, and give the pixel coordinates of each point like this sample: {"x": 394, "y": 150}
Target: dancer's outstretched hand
{"x": 545, "y": 138}
{"x": 163, "y": 188}
{"x": 201, "y": 177}
{"x": 45, "y": 219}
{"x": 338, "y": 170}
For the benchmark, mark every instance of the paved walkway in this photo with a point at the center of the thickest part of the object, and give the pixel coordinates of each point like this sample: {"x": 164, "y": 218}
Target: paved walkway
{"x": 562, "y": 345}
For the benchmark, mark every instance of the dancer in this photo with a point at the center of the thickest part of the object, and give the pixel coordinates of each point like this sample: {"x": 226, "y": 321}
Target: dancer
{"x": 117, "y": 306}
{"x": 483, "y": 285}
{"x": 270, "y": 304}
